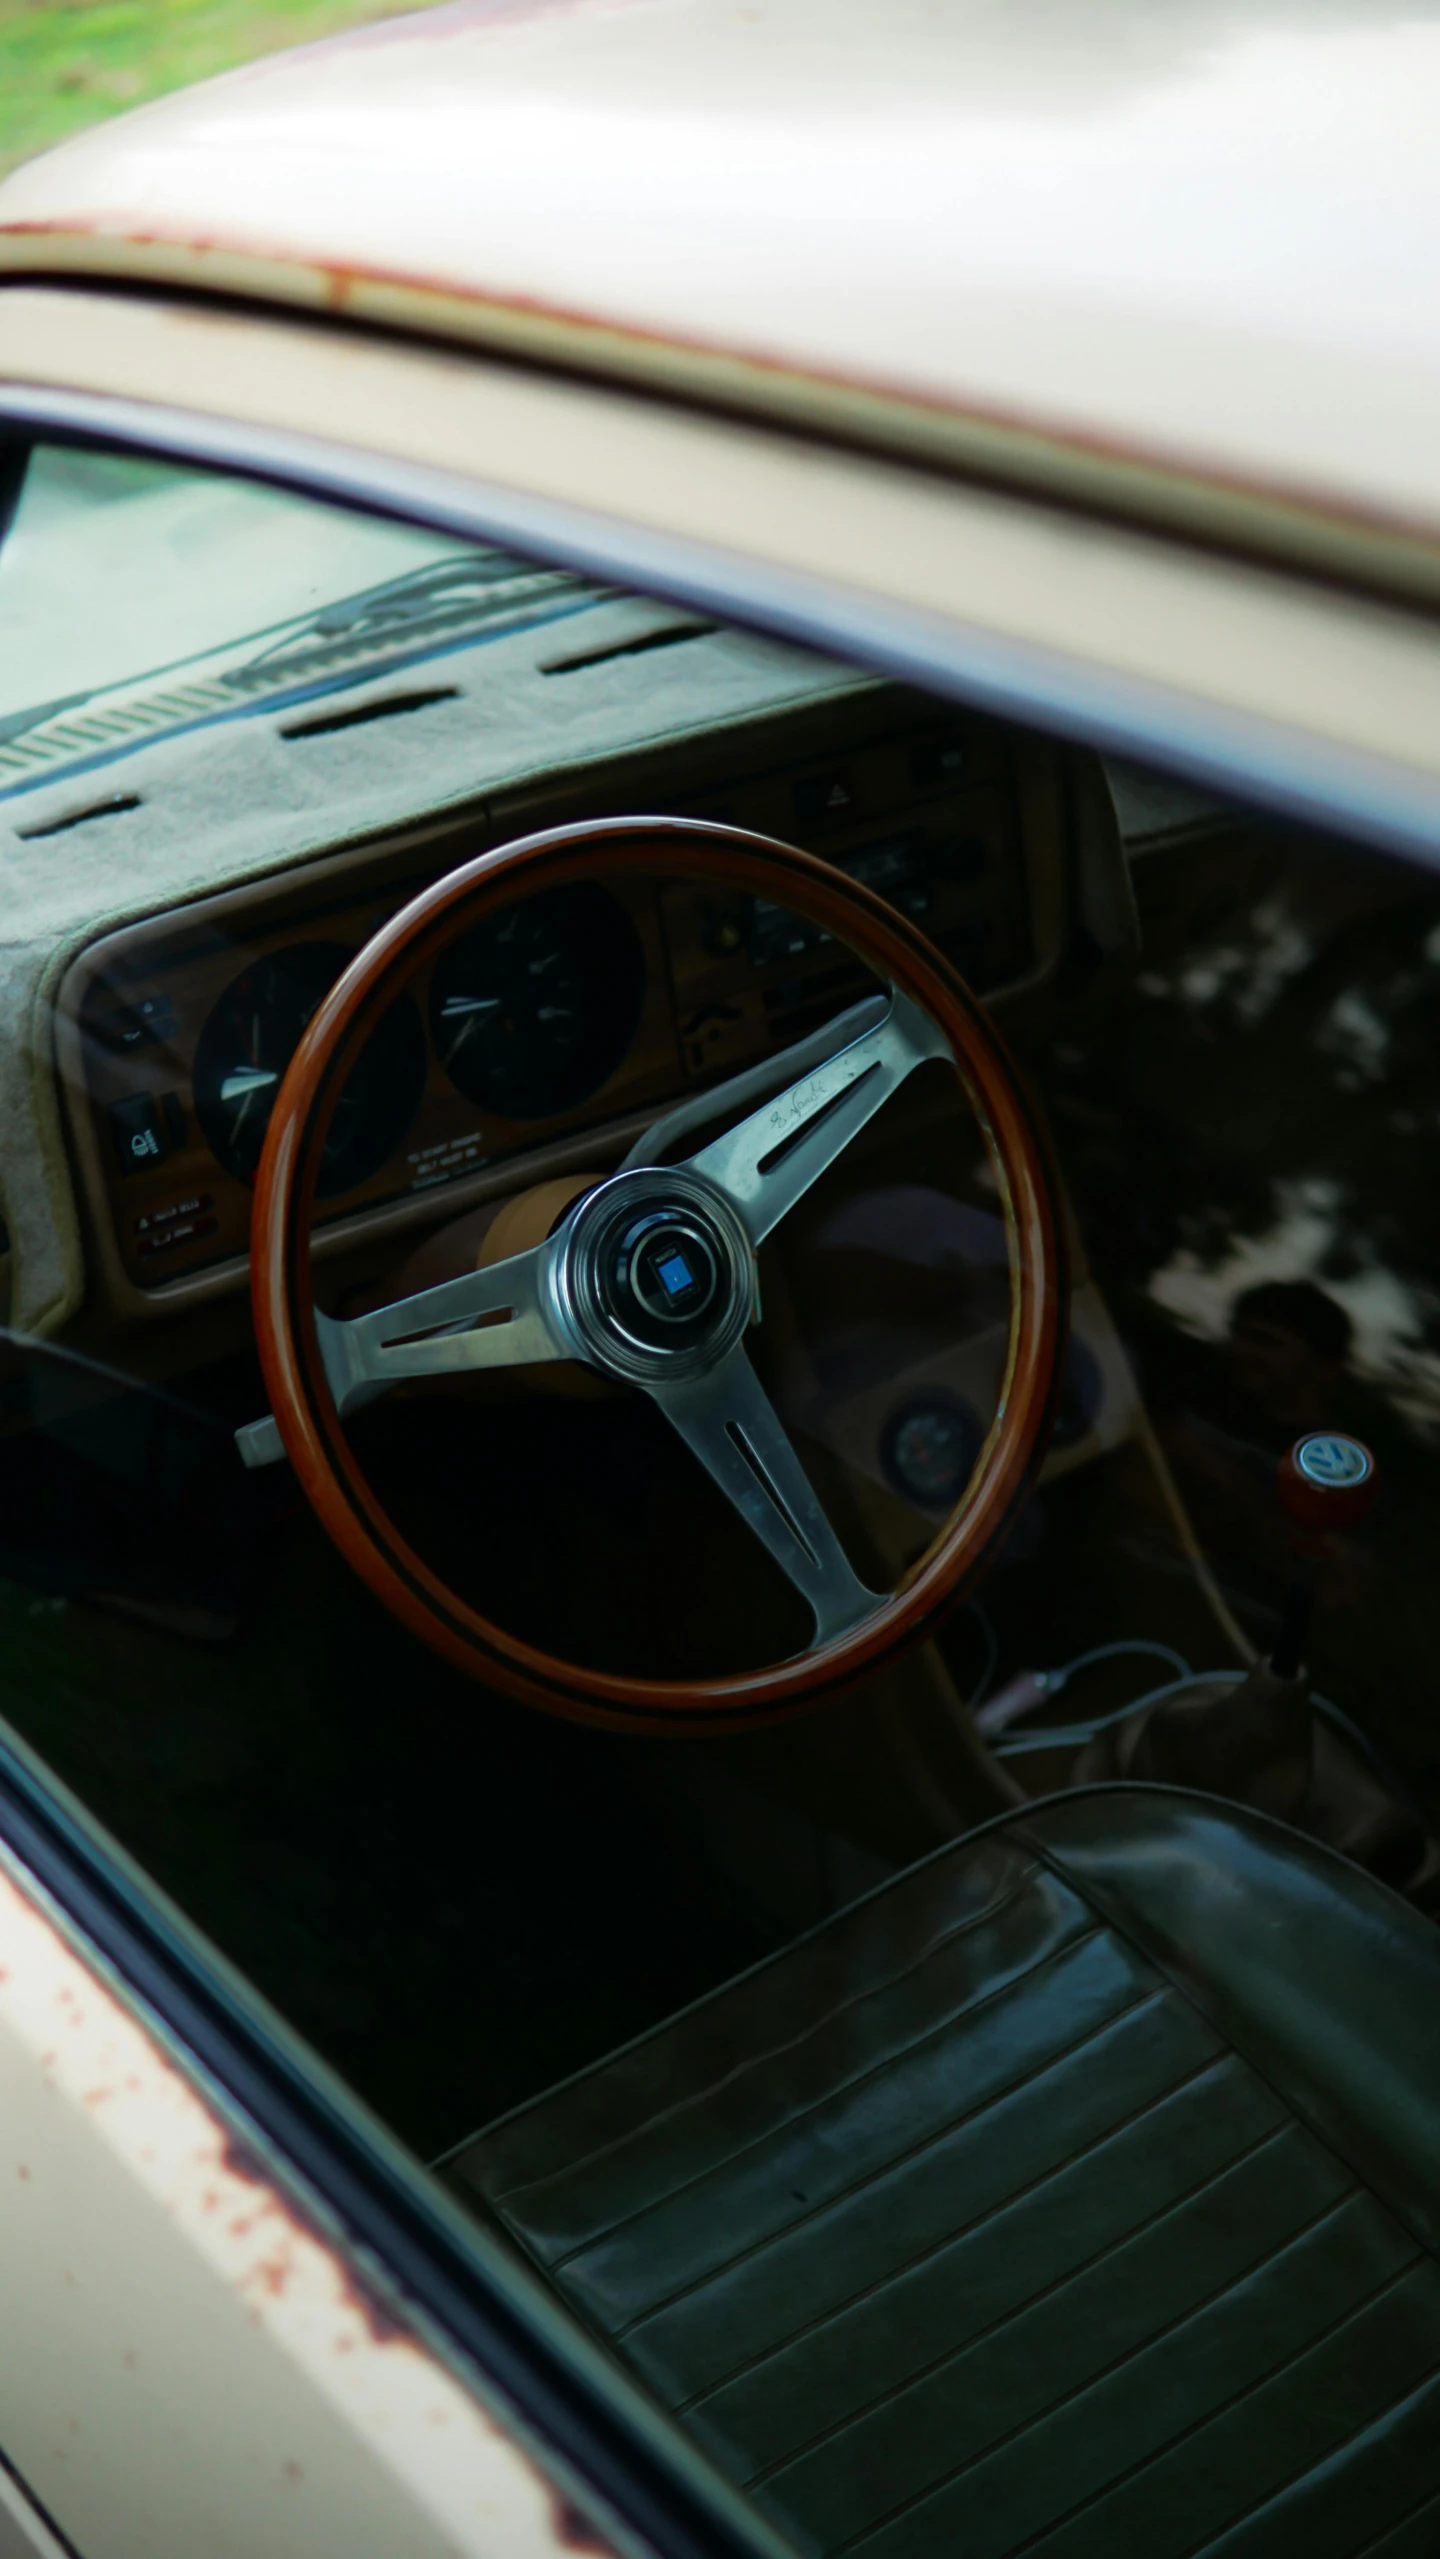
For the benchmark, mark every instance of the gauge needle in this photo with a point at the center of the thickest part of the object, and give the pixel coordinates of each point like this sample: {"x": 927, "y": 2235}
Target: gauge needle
{"x": 466, "y": 1010}
{"x": 246, "y": 1082}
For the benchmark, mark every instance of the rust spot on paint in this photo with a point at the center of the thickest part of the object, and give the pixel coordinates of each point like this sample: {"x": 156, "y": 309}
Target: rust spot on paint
{"x": 243, "y": 2162}
{"x": 384, "y": 2327}
{"x": 273, "y": 2274}
{"x": 23, "y": 2172}
{"x": 574, "y": 2529}
{"x": 294, "y": 2471}
{"x": 130, "y": 2360}
{"x": 246, "y": 2164}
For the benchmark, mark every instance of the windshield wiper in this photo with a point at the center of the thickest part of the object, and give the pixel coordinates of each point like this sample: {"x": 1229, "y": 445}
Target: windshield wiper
{"x": 423, "y": 607}
{"x": 465, "y": 598}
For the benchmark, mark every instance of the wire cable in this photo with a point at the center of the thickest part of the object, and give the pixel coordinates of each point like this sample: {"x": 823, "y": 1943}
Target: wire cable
{"x": 1074, "y": 1736}
{"x": 1130, "y": 1645}
{"x": 1029, "y": 1690}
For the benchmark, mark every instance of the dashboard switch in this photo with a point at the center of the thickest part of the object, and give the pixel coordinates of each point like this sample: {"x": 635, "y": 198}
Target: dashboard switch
{"x": 821, "y": 798}
{"x": 938, "y": 762}
{"x": 145, "y": 1129}
{"x": 138, "y": 1025}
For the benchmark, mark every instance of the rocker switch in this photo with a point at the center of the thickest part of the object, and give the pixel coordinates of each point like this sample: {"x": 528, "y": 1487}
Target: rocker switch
{"x": 145, "y": 1129}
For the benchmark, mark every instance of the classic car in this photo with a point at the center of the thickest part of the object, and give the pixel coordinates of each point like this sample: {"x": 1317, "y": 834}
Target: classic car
{"x": 720, "y": 1389}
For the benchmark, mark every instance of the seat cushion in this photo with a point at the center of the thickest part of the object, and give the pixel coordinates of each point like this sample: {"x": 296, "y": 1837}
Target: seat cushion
{"x": 1075, "y": 2194}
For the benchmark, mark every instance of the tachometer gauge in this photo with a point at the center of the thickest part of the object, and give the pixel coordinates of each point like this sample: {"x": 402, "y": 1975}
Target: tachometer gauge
{"x": 533, "y": 1011}
{"x": 249, "y": 1040}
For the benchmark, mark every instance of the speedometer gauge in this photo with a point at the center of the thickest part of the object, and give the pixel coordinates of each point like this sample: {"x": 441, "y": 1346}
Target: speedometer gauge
{"x": 533, "y": 1010}
{"x": 249, "y": 1040}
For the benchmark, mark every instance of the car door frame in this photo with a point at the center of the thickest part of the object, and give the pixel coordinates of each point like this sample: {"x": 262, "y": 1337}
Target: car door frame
{"x": 1305, "y": 692}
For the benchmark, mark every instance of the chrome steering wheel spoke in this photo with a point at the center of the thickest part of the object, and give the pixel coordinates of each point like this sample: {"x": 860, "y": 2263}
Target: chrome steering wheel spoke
{"x": 559, "y": 1301}
{"x": 769, "y": 1161}
{"x": 498, "y": 1317}
{"x": 729, "y": 1422}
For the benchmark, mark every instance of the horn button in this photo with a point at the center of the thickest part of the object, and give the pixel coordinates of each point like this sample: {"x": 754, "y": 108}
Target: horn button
{"x": 658, "y": 1276}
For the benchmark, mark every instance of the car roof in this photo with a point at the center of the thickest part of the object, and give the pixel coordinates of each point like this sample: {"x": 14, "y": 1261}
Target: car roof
{"x": 1202, "y": 238}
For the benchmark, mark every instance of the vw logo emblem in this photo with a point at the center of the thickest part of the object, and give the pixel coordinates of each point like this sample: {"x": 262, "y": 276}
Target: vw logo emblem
{"x": 1331, "y": 1461}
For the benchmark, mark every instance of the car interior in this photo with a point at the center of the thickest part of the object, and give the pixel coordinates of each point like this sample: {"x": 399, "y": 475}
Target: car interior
{"x": 984, "y": 2091}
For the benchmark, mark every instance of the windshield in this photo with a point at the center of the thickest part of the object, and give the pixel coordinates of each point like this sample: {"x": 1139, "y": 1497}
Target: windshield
{"x": 115, "y": 568}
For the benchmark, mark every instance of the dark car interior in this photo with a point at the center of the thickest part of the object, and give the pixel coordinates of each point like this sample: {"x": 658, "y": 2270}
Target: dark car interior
{"x": 991, "y": 2104}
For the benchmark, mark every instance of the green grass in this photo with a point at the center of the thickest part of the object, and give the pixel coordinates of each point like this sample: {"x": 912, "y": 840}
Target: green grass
{"x": 67, "y": 63}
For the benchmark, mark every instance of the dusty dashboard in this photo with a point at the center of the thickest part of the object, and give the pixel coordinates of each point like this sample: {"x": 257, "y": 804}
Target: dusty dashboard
{"x": 569, "y": 1015}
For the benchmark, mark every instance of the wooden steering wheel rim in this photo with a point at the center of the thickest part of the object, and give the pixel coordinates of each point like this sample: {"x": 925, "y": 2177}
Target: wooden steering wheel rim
{"x": 288, "y": 1339}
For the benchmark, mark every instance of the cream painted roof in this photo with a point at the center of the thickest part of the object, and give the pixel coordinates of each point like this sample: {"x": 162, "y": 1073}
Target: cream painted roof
{"x": 1203, "y": 234}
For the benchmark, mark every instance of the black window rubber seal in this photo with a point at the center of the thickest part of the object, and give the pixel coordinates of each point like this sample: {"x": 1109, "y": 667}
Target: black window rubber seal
{"x": 665, "y": 2504}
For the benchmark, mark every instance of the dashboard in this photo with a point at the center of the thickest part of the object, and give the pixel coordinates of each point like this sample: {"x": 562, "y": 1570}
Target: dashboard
{"x": 554, "y": 1026}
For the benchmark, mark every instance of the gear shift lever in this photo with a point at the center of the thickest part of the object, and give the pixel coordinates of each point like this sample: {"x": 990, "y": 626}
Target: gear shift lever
{"x": 1326, "y": 1483}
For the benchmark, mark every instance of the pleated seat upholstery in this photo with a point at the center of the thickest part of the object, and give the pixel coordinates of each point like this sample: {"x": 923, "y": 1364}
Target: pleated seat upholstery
{"x": 1076, "y": 2194}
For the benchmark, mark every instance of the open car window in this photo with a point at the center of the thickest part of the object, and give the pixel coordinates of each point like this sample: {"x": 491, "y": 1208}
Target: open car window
{"x": 821, "y": 2049}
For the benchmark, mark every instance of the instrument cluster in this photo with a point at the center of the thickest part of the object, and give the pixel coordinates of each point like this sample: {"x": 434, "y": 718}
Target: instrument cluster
{"x": 572, "y": 1008}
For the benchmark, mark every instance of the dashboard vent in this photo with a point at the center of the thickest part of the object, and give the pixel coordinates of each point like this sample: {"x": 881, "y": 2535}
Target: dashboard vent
{"x": 672, "y": 638}
{"x": 394, "y": 706}
{"x": 115, "y": 806}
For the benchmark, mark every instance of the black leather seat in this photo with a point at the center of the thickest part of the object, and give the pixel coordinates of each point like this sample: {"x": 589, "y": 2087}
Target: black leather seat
{"x": 1078, "y": 2194}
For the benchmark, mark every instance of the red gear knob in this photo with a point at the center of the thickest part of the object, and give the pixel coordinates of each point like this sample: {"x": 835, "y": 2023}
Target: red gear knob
{"x": 1328, "y": 1481}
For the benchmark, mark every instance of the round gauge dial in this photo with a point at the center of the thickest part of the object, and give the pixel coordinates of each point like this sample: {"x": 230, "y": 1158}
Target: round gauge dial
{"x": 533, "y": 1011}
{"x": 928, "y": 1449}
{"x": 249, "y": 1040}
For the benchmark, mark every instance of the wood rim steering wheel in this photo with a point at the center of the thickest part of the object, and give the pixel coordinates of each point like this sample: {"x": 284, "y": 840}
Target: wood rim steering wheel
{"x": 651, "y": 1279}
